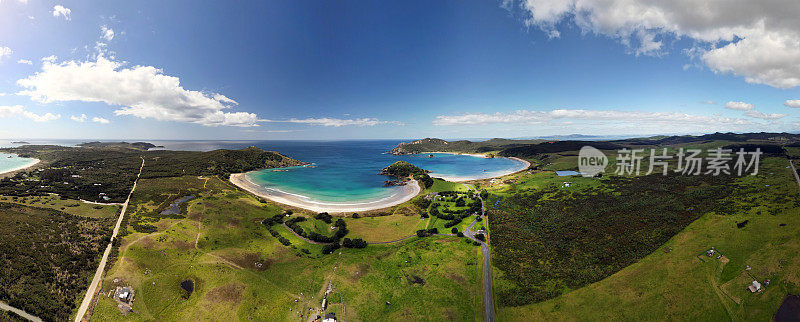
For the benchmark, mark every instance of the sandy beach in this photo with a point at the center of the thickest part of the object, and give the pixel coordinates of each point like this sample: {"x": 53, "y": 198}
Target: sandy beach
{"x": 22, "y": 167}
{"x": 407, "y": 192}
{"x": 523, "y": 165}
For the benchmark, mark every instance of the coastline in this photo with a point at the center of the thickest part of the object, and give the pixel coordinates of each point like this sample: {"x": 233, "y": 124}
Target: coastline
{"x": 408, "y": 191}
{"x": 524, "y": 165}
{"x": 22, "y": 167}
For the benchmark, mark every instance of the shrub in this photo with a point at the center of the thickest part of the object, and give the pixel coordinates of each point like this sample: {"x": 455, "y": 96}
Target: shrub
{"x": 480, "y": 237}
{"x": 324, "y": 216}
{"x": 329, "y": 248}
{"x": 454, "y": 230}
{"x": 354, "y": 243}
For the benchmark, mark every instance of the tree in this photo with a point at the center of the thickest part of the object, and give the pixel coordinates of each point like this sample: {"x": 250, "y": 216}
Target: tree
{"x": 329, "y": 248}
{"x": 480, "y": 237}
{"x": 324, "y": 216}
{"x": 354, "y": 243}
{"x": 454, "y": 230}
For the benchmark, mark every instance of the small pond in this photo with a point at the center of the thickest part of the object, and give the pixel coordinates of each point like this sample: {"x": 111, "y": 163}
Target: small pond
{"x": 188, "y": 286}
{"x": 566, "y": 173}
{"x": 175, "y": 207}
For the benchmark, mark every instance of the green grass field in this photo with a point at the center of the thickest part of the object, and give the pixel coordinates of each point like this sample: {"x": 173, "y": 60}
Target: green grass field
{"x": 241, "y": 272}
{"x": 72, "y": 207}
{"x": 677, "y": 285}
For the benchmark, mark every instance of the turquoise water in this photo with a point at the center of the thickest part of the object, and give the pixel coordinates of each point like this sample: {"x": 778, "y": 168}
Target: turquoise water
{"x": 346, "y": 172}
{"x": 9, "y": 162}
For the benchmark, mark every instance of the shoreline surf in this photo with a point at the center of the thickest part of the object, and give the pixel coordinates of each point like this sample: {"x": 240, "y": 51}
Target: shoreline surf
{"x": 21, "y": 167}
{"x": 524, "y": 165}
{"x": 406, "y": 193}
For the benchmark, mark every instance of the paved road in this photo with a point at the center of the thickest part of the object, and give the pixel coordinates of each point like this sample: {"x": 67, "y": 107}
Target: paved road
{"x": 488, "y": 293}
{"x": 98, "y": 275}
{"x": 6, "y": 307}
{"x": 488, "y": 296}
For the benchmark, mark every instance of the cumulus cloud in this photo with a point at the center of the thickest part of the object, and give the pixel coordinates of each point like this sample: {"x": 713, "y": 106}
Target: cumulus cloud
{"x": 140, "y": 91}
{"x": 106, "y": 33}
{"x": 792, "y": 103}
{"x": 739, "y": 106}
{"x": 76, "y": 118}
{"x": 757, "y": 40}
{"x": 24, "y": 61}
{"x": 60, "y": 11}
{"x": 100, "y": 120}
{"x": 326, "y": 121}
{"x": 19, "y": 111}
{"x": 4, "y": 52}
{"x": 764, "y": 116}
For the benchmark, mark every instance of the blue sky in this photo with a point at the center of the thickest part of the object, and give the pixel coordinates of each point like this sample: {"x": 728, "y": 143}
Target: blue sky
{"x": 404, "y": 69}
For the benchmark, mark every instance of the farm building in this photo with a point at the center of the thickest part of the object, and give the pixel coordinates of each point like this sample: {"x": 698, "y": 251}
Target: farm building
{"x": 330, "y": 317}
{"x": 754, "y": 287}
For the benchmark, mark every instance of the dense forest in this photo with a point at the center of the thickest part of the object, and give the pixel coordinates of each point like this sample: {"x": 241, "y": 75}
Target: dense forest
{"x": 536, "y": 148}
{"x": 106, "y": 174}
{"x": 46, "y": 258}
{"x": 553, "y": 240}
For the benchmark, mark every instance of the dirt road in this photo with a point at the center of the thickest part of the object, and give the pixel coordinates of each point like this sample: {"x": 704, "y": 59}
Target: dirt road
{"x": 98, "y": 275}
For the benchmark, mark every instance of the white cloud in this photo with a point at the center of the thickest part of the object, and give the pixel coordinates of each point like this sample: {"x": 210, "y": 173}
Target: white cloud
{"x": 59, "y": 10}
{"x": 25, "y": 61}
{"x": 100, "y": 120}
{"x": 710, "y": 102}
{"x": 526, "y": 117}
{"x": 326, "y": 121}
{"x": 106, "y": 33}
{"x": 764, "y": 116}
{"x": 140, "y": 91}
{"x": 81, "y": 118}
{"x": 758, "y": 40}
{"x": 792, "y": 103}
{"x": 51, "y": 58}
{"x": 19, "y": 111}
{"x": 4, "y": 52}
{"x": 739, "y": 106}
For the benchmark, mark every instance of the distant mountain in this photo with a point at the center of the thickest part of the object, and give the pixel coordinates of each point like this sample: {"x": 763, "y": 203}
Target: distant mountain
{"x": 135, "y": 145}
{"x": 461, "y": 146}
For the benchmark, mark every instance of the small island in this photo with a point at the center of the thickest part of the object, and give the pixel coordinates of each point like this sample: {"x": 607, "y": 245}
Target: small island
{"x": 403, "y": 172}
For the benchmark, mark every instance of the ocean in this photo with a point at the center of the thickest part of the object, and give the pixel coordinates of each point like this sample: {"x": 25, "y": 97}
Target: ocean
{"x": 342, "y": 171}
{"x": 11, "y": 162}
{"x": 347, "y": 171}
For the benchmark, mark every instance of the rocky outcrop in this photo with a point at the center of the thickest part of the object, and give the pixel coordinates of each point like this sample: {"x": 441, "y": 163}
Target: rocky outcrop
{"x": 392, "y": 183}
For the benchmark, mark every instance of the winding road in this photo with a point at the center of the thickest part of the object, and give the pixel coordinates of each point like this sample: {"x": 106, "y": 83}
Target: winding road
{"x": 488, "y": 293}
{"x": 98, "y": 275}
